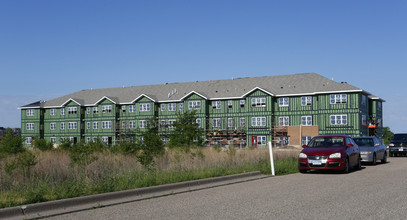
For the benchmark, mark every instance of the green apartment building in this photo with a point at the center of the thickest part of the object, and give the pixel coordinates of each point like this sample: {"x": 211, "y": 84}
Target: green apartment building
{"x": 286, "y": 109}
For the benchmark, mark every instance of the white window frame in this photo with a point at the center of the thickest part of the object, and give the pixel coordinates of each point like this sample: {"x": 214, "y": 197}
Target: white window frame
{"x": 199, "y": 122}
{"x": 306, "y": 120}
{"x": 132, "y": 124}
{"x": 242, "y": 103}
{"x": 29, "y": 112}
{"x": 95, "y": 125}
{"x": 230, "y": 103}
{"x": 88, "y": 110}
{"x": 62, "y": 126}
{"x": 132, "y": 108}
{"x": 163, "y": 107}
{"x": 216, "y": 104}
{"x": 106, "y": 124}
{"x": 194, "y": 105}
{"x": 163, "y": 123}
{"x": 95, "y": 110}
{"x": 338, "y": 119}
{"x": 142, "y": 124}
{"x": 52, "y": 126}
{"x": 338, "y": 99}
{"x": 106, "y": 109}
{"x": 29, "y": 126}
{"x": 284, "y": 102}
{"x": 124, "y": 108}
{"x": 123, "y": 124}
{"x": 181, "y": 106}
{"x": 28, "y": 140}
{"x": 216, "y": 123}
{"x": 172, "y": 107}
{"x": 261, "y": 140}
{"x": 242, "y": 122}
{"x": 88, "y": 125}
{"x": 62, "y": 111}
{"x": 72, "y": 110}
{"x": 284, "y": 121}
{"x": 144, "y": 107}
{"x": 230, "y": 122}
{"x": 72, "y": 125}
{"x": 259, "y": 121}
{"x": 105, "y": 139}
{"x": 53, "y": 112}
{"x": 53, "y": 140}
{"x": 305, "y": 140}
{"x": 259, "y": 102}
{"x": 306, "y": 100}
{"x": 170, "y": 123}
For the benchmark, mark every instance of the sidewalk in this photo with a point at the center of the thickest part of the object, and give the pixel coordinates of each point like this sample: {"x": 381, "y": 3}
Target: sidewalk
{"x": 64, "y": 206}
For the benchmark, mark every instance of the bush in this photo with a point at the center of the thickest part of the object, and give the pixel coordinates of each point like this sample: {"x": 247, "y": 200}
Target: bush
{"x": 11, "y": 144}
{"x": 42, "y": 145}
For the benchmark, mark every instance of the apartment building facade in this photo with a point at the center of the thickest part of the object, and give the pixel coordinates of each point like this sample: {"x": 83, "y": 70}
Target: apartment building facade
{"x": 286, "y": 109}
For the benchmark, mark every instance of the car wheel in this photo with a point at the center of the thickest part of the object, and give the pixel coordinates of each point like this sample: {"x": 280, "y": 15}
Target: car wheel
{"x": 359, "y": 165}
{"x": 374, "y": 159}
{"x": 303, "y": 171}
{"x": 384, "y": 160}
{"x": 391, "y": 155}
{"x": 346, "y": 168}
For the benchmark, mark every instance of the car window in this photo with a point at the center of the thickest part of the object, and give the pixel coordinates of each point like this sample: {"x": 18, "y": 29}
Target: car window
{"x": 327, "y": 142}
{"x": 365, "y": 142}
{"x": 400, "y": 137}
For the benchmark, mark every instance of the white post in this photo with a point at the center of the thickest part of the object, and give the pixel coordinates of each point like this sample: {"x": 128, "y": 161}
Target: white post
{"x": 271, "y": 159}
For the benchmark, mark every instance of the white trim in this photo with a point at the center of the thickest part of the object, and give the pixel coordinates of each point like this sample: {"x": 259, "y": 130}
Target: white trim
{"x": 318, "y": 93}
{"x": 183, "y": 98}
{"x": 104, "y": 97}
{"x": 70, "y": 99}
{"x": 257, "y": 88}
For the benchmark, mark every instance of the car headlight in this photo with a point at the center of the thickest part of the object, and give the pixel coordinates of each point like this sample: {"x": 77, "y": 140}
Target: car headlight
{"x": 302, "y": 155}
{"x": 391, "y": 145}
{"x": 365, "y": 152}
{"x": 335, "y": 155}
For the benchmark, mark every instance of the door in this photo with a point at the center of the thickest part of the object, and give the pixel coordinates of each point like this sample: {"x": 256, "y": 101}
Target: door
{"x": 254, "y": 141}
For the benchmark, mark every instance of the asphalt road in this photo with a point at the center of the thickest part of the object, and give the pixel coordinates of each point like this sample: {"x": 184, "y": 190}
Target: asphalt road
{"x": 375, "y": 192}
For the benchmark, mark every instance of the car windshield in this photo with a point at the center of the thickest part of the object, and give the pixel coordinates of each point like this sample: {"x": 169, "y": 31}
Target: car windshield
{"x": 400, "y": 137}
{"x": 365, "y": 142}
{"x": 327, "y": 142}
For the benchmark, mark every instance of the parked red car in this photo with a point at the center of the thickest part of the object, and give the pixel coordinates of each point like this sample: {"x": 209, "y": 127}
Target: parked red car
{"x": 330, "y": 152}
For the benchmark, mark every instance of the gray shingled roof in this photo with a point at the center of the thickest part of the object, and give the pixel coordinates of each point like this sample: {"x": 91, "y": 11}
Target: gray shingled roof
{"x": 283, "y": 85}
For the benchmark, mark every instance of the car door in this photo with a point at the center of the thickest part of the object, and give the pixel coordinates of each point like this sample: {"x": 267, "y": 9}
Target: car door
{"x": 379, "y": 148}
{"x": 352, "y": 151}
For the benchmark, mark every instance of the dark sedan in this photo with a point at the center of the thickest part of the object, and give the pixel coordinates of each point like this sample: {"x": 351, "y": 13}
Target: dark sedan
{"x": 330, "y": 152}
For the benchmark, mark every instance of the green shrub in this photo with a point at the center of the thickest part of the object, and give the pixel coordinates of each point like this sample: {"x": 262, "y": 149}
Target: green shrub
{"x": 11, "y": 144}
{"x": 42, "y": 145}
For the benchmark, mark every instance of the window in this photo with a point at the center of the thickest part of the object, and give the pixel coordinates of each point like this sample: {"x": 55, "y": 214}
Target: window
{"x": 339, "y": 98}
{"x": 230, "y": 104}
{"x": 364, "y": 120}
{"x": 123, "y": 108}
{"x": 379, "y": 105}
{"x": 306, "y": 100}
{"x": 88, "y": 110}
{"x": 53, "y": 112}
{"x": 105, "y": 139}
{"x": 28, "y": 140}
{"x": 339, "y": 119}
{"x": 284, "y": 140}
{"x": 259, "y": 102}
{"x": 163, "y": 123}
{"x": 123, "y": 124}
{"x": 62, "y": 111}
{"x": 87, "y": 125}
{"x": 94, "y": 139}
{"x": 52, "y": 125}
{"x": 216, "y": 123}
{"x": 53, "y": 140}
{"x": 230, "y": 122}
{"x": 144, "y": 107}
{"x": 87, "y": 139}
{"x": 72, "y": 125}
{"x": 284, "y": 121}
{"x": 258, "y": 121}
{"x": 72, "y": 110}
{"x": 199, "y": 122}
{"x": 170, "y": 123}
{"x": 95, "y": 125}
{"x": 62, "y": 126}
{"x": 181, "y": 106}
{"x": 162, "y": 107}
{"x": 364, "y": 99}
{"x": 106, "y": 124}
{"x": 142, "y": 123}
{"x": 95, "y": 110}
{"x": 132, "y": 108}
{"x": 261, "y": 140}
{"x": 141, "y": 138}
{"x": 172, "y": 107}
{"x": 106, "y": 108}
{"x": 29, "y": 112}
{"x": 194, "y": 105}
{"x": 242, "y": 103}
{"x": 242, "y": 122}
{"x": 306, "y": 120}
{"x": 29, "y": 126}
{"x": 216, "y": 104}
{"x": 132, "y": 124}
{"x": 305, "y": 140}
{"x": 283, "y": 102}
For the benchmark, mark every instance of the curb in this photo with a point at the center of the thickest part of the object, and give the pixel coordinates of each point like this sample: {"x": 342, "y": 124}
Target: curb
{"x": 63, "y": 204}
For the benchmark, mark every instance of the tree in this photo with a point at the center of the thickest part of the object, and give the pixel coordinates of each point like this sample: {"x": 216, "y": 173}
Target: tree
{"x": 187, "y": 132}
{"x": 387, "y": 135}
{"x": 11, "y": 144}
{"x": 151, "y": 144}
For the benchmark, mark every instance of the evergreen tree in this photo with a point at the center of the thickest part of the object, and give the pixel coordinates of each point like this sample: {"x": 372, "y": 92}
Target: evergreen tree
{"x": 187, "y": 132}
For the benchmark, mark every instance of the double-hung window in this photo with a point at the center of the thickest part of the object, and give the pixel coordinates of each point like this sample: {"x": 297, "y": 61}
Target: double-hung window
{"x": 142, "y": 124}
{"x": 339, "y": 98}
{"x": 258, "y": 121}
{"x": 72, "y": 125}
{"x": 62, "y": 126}
{"x": 259, "y": 102}
{"x": 95, "y": 125}
{"x": 62, "y": 111}
{"x": 305, "y": 140}
{"x": 144, "y": 107}
{"x": 339, "y": 119}
{"x": 106, "y": 124}
{"x": 29, "y": 126}
{"x": 284, "y": 121}
{"x": 29, "y": 112}
{"x": 95, "y": 110}
{"x": 230, "y": 122}
{"x": 181, "y": 106}
{"x": 230, "y": 104}
{"x": 261, "y": 140}
{"x": 216, "y": 123}
{"x": 199, "y": 122}
{"x": 72, "y": 110}
{"x": 216, "y": 104}
{"x": 242, "y": 103}
{"x": 283, "y": 102}
{"x": 306, "y": 120}
{"x": 53, "y": 112}
{"x": 132, "y": 124}
{"x": 242, "y": 122}
{"x": 132, "y": 108}
{"x": 306, "y": 100}
{"x": 194, "y": 105}
{"x": 106, "y": 108}
{"x": 172, "y": 107}
{"x": 171, "y": 123}
{"x": 52, "y": 125}
{"x": 163, "y": 107}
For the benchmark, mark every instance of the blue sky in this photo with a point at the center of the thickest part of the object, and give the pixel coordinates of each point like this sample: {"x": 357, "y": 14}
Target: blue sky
{"x": 52, "y": 48}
